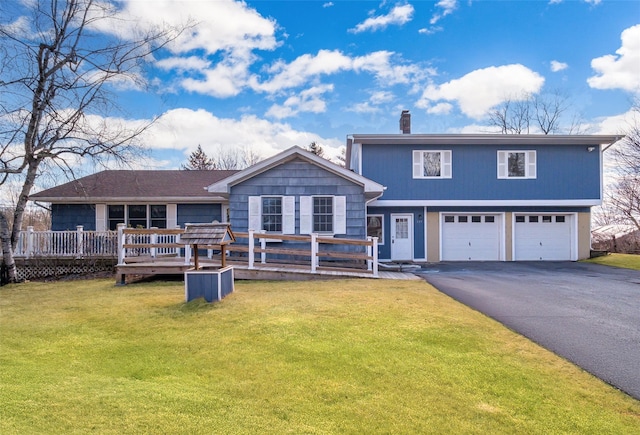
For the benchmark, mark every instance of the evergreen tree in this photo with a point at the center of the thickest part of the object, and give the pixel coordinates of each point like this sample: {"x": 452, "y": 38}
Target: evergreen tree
{"x": 198, "y": 160}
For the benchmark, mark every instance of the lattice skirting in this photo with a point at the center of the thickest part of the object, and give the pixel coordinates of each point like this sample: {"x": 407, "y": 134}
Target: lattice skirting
{"x": 38, "y": 268}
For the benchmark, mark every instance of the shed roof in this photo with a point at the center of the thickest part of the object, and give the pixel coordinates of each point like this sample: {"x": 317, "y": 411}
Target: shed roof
{"x": 140, "y": 185}
{"x": 207, "y": 234}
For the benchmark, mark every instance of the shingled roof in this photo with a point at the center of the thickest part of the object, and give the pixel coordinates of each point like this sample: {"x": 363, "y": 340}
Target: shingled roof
{"x": 138, "y": 185}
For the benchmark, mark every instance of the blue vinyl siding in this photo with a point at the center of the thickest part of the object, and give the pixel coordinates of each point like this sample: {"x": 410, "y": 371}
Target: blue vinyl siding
{"x": 199, "y": 213}
{"x": 68, "y": 216}
{"x": 299, "y": 178}
{"x": 563, "y": 173}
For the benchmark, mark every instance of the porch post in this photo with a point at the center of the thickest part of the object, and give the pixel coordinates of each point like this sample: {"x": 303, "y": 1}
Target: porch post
{"x": 374, "y": 248}
{"x": 187, "y": 254}
{"x": 30, "y": 236}
{"x": 79, "y": 241}
{"x": 314, "y": 252}
{"x": 251, "y": 255}
{"x": 121, "y": 250}
{"x": 154, "y": 240}
{"x": 263, "y": 254}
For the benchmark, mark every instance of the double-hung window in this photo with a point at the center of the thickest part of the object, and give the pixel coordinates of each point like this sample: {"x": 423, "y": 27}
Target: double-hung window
{"x": 431, "y": 164}
{"x": 323, "y": 214}
{"x": 517, "y": 164}
{"x": 273, "y": 214}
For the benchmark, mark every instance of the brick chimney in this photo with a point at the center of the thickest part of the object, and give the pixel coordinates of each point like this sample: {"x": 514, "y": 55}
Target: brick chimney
{"x": 405, "y": 122}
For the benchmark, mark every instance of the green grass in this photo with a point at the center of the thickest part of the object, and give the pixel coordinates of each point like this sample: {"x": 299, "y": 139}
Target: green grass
{"x": 627, "y": 261}
{"x": 344, "y": 357}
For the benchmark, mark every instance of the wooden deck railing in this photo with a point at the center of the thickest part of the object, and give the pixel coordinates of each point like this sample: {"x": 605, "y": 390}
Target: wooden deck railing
{"x": 66, "y": 244}
{"x": 255, "y": 249}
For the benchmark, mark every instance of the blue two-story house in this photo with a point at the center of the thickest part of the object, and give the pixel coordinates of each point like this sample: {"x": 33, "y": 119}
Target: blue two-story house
{"x": 481, "y": 197}
{"x": 426, "y": 197}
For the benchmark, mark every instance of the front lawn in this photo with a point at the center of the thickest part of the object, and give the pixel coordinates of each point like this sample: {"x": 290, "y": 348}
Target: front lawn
{"x": 627, "y": 261}
{"x": 353, "y": 356}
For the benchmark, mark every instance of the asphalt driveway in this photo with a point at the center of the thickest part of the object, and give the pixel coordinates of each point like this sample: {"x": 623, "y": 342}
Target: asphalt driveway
{"x": 586, "y": 313}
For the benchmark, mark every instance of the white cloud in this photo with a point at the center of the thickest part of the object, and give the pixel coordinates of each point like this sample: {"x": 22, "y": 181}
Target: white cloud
{"x": 297, "y": 72}
{"x": 440, "y": 109}
{"x": 365, "y": 107}
{"x": 447, "y": 6}
{"x": 620, "y": 71}
{"x": 558, "y": 66}
{"x": 480, "y": 90}
{"x": 308, "y": 100}
{"x": 399, "y": 15}
{"x": 325, "y": 62}
{"x": 185, "y": 129}
{"x": 229, "y": 30}
{"x": 327, "y": 5}
{"x": 378, "y": 97}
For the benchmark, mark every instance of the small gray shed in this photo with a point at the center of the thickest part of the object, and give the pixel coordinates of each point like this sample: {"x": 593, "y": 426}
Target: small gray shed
{"x": 212, "y": 284}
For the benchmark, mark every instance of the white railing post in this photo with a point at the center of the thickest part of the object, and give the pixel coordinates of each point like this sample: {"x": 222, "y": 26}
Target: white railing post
{"x": 187, "y": 255}
{"x": 121, "y": 249}
{"x": 374, "y": 248}
{"x": 153, "y": 239}
{"x": 79, "y": 241}
{"x": 29, "y": 241}
{"x": 251, "y": 254}
{"x": 177, "y": 241}
{"x": 314, "y": 252}
{"x": 263, "y": 254}
{"x": 370, "y": 253}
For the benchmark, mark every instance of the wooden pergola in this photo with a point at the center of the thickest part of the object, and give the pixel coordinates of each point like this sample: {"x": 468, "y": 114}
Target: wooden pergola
{"x": 210, "y": 235}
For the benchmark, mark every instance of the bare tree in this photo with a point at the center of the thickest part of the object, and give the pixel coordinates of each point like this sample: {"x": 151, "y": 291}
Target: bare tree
{"x": 58, "y": 69}
{"x": 624, "y": 196}
{"x": 533, "y": 113}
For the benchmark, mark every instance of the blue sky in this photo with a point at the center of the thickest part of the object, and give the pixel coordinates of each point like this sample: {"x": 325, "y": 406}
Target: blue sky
{"x": 266, "y": 75}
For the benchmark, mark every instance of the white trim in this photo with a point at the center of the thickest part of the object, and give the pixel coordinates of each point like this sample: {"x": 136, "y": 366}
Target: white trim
{"x": 172, "y": 215}
{"x": 101, "y": 217}
{"x": 486, "y": 203}
{"x": 485, "y": 139}
{"x": 306, "y": 214}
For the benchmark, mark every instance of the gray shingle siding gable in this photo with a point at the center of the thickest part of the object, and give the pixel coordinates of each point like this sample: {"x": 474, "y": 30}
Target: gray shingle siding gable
{"x": 299, "y": 178}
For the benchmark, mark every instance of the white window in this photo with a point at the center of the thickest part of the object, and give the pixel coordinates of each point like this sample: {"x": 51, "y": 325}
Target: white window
{"x": 431, "y": 164}
{"x": 137, "y": 215}
{"x": 517, "y": 164}
{"x": 274, "y": 214}
{"x": 323, "y": 214}
{"x": 375, "y": 228}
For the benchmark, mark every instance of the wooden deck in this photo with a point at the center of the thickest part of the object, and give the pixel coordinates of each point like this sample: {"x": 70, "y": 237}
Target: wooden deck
{"x": 271, "y": 271}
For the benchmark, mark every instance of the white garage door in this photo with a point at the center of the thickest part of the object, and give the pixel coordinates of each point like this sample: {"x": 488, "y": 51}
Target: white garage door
{"x": 470, "y": 237}
{"x": 542, "y": 237}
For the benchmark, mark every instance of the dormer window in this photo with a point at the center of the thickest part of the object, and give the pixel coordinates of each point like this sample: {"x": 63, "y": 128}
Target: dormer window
{"x": 431, "y": 164}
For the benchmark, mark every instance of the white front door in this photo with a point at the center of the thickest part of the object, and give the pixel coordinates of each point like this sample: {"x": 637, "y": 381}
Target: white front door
{"x": 401, "y": 237}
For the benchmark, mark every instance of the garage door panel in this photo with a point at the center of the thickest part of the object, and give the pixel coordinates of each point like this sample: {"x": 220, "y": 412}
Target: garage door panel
{"x": 545, "y": 238}
{"x": 470, "y": 238}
